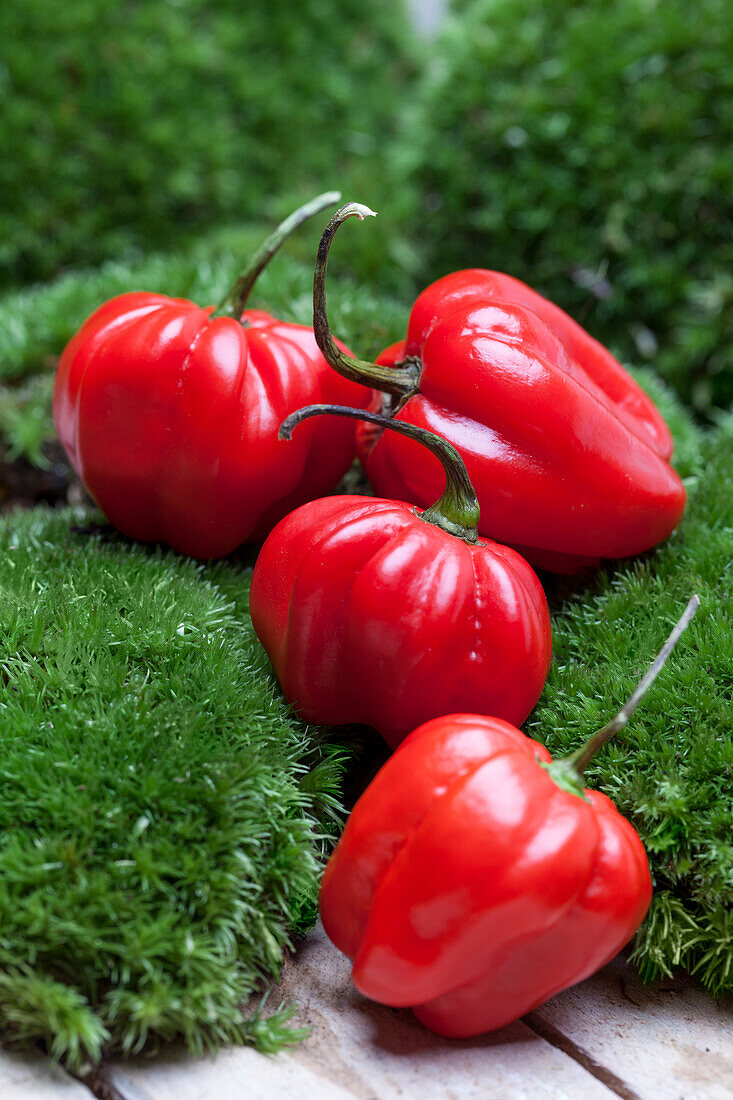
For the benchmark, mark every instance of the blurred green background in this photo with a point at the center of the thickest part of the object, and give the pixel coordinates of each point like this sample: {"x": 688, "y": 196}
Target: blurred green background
{"x": 141, "y": 123}
{"x": 584, "y": 147}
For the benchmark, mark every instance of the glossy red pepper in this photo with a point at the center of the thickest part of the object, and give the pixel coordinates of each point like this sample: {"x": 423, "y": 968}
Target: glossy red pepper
{"x": 374, "y": 613}
{"x": 476, "y": 878}
{"x": 568, "y": 456}
{"x": 169, "y": 414}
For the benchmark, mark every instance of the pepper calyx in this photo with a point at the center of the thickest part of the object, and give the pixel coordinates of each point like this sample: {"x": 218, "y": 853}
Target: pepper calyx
{"x": 457, "y": 510}
{"x": 566, "y": 777}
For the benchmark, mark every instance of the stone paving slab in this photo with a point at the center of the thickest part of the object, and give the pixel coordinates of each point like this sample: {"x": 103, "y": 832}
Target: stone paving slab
{"x": 31, "y": 1077}
{"x": 667, "y": 1042}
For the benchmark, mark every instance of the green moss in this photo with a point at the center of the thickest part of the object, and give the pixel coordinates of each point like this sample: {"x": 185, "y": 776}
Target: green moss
{"x": 585, "y": 148}
{"x": 161, "y": 814}
{"x": 671, "y": 771}
{"x": 136, "y": 124}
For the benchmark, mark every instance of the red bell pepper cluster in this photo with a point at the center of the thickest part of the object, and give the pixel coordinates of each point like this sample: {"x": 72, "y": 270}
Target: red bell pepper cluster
{"x": 476, "y": 877}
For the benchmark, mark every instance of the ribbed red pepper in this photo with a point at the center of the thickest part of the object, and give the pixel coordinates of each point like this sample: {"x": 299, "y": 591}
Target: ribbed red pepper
{"x": 169, "y": 414}
{"x": 371, "y": 612}
{"x": 568, "y": 456}
{"x": 476, "y": 878}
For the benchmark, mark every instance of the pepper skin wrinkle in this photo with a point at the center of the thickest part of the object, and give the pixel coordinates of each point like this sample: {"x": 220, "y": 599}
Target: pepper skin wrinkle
{"x": 169, "y": 415}
{"x": 476, "y": 877}
{"x": 568, "y": 456}
{"x": 469, "y": 886}
{"x": 373, "y": 613}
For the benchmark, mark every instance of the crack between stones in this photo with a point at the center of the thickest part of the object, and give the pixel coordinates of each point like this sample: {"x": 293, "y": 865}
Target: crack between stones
{"x": 99, "y": 1082}
{"x": 561, "y": 1042}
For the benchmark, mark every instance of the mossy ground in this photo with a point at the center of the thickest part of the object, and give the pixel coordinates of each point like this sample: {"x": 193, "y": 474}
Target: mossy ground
{"x": 671, "y": 771}
{"x": 162, "y": 815}
{"x": 160, "y": 811}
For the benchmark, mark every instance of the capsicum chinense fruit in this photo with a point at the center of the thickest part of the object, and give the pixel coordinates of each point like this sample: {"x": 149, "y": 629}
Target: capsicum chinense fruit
{"x": 373, "y": 612}
{"x": 169, "y": 414}
{"x": 476, "y": 877}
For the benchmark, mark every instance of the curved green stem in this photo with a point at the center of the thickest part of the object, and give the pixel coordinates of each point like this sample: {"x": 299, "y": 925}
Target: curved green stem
{"x": 568, "y": 771}
{"x": 232, "y": 305}
{"x": 457, "y": 510}
{"x": 400, "y": 380}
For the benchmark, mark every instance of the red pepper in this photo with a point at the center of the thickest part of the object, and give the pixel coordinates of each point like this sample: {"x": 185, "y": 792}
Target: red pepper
{"x": 568, "y": 456}
{"x": 371, "y": 612}
{"x": 169, "y": 414}
{"x": 476, "y": 877}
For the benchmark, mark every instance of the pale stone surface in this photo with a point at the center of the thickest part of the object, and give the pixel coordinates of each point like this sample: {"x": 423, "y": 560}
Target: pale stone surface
{"x": 669, "y": 1042}
{"x": 31, "y": 1077}
{"x": 365, "y": 1051}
